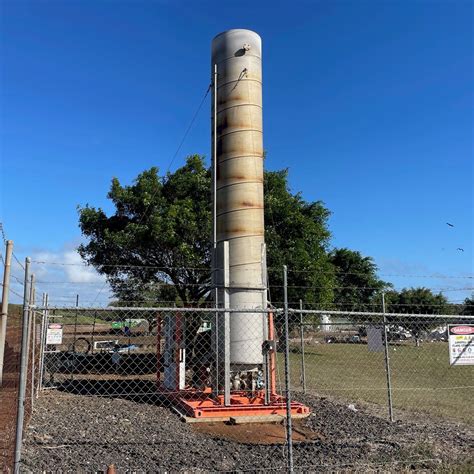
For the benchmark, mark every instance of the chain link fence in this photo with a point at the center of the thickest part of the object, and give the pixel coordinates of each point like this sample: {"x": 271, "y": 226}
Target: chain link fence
{"x": 174, "y": 389}
{"x": 116, "y": 384}
{"x": 346, "y": 357}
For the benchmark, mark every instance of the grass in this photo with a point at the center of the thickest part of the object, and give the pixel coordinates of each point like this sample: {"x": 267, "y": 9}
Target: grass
{"x": 422, "y": 379}
{"x": 70, "y": 319}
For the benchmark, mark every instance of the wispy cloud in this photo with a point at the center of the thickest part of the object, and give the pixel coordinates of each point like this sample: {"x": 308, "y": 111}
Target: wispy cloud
{"x": 63, "y": 275}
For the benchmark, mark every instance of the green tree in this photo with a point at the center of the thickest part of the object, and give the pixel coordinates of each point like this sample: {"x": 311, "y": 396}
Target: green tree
{"x": 468, "y": 306}
{"x": 413, "y": 301}
{"x": 156, "y": 245}
{"x": 297, "y": 235}
{"x": 357, "y": 282}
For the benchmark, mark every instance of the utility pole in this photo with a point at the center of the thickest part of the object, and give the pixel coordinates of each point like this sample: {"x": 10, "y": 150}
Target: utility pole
{"x": 4, "y": 315}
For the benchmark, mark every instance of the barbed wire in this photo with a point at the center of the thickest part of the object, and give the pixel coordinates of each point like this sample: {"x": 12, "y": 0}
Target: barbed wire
{"x": 156, "y": 267}
{"x": 4, "y": 238}
{"x": 2, "y": 232}
{"x": 250, "y": 287}
{"x": 270, "y": 269}
{"x": 72, "y": 298}
{"x": 400, "y": 275}
{"x": 18, "y": 261}
{"x": 19, "y": 280}
{"x": 15, "y": 293}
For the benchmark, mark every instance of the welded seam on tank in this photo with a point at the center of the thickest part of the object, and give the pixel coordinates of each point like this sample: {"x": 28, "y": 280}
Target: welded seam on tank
{"x": 219, "y": 214}
{"x": 240, "y": 131}
{"x": 247, "y": 287}
{"x": 247, "y": 104}
{"x": 253, "y": 262}
{"x": 237, "y": 58}
{"x": 240, "y": 236}
{"x": 239, "y": 156}
{"x": 242, "y": 181}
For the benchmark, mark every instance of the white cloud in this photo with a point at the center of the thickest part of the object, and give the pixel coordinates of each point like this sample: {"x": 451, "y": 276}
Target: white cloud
{"x": 63, "y": 275}
{"x": 77, "y": 272}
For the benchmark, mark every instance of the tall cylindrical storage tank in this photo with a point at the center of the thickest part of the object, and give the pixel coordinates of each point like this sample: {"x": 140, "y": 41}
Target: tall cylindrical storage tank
{"x": 237, "y": 54}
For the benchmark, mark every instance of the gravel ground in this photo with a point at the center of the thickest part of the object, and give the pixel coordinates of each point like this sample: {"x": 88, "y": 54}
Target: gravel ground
{"x": 74, "y": 433}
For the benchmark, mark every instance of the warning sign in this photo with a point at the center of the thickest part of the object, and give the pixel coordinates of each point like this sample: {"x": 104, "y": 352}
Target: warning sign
{"x": 461, "y": 344}
{"x": 54, "y": 334}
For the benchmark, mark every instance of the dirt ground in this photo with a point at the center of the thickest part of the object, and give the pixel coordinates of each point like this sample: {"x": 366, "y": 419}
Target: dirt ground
{"x": 9, "y": 397}
{"x": 76, "y": 433}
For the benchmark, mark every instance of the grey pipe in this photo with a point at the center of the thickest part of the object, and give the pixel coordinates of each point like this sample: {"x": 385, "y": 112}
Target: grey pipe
{"x": 289, "y": 427}
{"x": 303, "y": 366}
{"x": 387, "y": 362}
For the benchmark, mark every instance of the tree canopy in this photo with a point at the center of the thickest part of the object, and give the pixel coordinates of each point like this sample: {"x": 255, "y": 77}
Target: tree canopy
{"x": 357, "y": 282}
{"x": 468, "y": 306}
{"x": 296, "y": 235}
{"x": 416, "y": 301}
{"x": 156, "y": 245}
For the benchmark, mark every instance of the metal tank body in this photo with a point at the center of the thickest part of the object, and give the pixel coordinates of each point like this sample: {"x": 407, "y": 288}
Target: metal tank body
{"x": 239, "y": 186}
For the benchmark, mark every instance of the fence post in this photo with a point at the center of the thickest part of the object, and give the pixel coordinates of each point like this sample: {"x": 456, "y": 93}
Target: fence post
{"x": 303, "y": 368}
{"x": 41, "y": 347}
{"x": 32, "y": 336}
{"x": 289, "y": 430}
{"x": 5, "y": 292}
{"x": 23, "y": 369}
{"x": 387, "y": 361}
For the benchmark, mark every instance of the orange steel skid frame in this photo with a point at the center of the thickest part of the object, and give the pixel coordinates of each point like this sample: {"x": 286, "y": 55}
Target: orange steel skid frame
{"x": 203, "y": 404}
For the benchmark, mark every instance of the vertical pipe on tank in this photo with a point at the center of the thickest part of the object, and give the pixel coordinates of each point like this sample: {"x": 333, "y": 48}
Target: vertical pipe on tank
{"x": 239, "y": 185}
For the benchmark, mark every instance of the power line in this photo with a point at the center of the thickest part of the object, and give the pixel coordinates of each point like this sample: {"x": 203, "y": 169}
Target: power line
{"x": 196, "y": 113}
{"x": 189, "y": 126}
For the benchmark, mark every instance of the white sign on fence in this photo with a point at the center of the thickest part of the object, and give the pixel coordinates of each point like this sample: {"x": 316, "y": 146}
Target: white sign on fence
{"x": 374, "y": 338}
{"x": 461, "y": 344}
{"x": 54, "y": 334}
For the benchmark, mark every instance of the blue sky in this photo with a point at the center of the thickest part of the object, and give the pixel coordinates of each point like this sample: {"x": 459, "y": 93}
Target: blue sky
{"x": 368, "y": 103}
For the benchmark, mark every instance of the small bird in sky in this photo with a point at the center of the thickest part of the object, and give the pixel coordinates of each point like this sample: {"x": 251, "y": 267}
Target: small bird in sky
{"x": 450, "y": 225}
{"x": 460, "y": 249}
